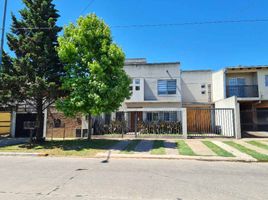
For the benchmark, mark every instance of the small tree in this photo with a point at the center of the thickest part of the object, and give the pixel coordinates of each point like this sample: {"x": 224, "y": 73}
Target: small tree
{"x": 95, "y": 76}
{"x": 33, "y": 75}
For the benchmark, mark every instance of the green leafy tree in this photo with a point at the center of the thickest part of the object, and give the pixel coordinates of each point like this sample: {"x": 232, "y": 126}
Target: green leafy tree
{"x": 95, "y": 76}
{"x": 33, "y": 75}
{"x": 8, "y": 83}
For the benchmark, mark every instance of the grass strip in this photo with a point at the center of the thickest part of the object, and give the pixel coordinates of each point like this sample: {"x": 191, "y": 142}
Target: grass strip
{"x": 259, "y": 144}
{"x": 184, "y": 149}
{"x": 79, "y": 147}
{"x": 254, "y": 154}
{"x": 158, "y": 148}
{"x": 131, "y": 146}
{"x": 216, "y": 149}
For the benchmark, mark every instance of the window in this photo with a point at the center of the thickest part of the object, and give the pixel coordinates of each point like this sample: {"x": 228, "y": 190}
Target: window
{"x": 107, "y": 118}
{"x": 149, "y": 117}
{"x": 155, "y": 116}
{"x": 166, "y": 116}
{"x": 119, "y": 116}
{"x": 237, "y": 81}
{"x": 166, "y": 87}
{"x": 152, "y": 116}
{"x": 203, "y": 86}
{"x": 203, "y": 92}
{"x": 266, "y": 80}
{"x": 57, "y": 123}
{"x": 137, "y": 81}
{"x": 173, "y": 116}
{"x": 130, "y": 88}
{"x": 137, "y": 88}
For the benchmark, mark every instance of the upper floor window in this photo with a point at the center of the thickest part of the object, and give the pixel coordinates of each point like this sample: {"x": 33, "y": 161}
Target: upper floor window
{"x": 266, "y": 80}
{"x": 137, "y": 81}
{"x": 166, "y": 87}
{"x": 237, "y": 81}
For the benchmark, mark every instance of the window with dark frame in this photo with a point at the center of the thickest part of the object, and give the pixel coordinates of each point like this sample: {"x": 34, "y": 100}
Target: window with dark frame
{"x": 166, "y": 87}
{"x": 266, "y": 80}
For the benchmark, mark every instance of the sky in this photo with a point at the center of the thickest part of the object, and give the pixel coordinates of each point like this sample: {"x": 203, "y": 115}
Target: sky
{"x": 208, "y": 46}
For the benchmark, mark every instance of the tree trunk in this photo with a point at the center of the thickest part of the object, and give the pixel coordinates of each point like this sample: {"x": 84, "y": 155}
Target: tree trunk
{"x": 39, "y": 121}
{"x": 89, "y": 131}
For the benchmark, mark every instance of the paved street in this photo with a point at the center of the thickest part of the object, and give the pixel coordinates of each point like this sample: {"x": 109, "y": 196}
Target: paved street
{"x": 27, "y": 178}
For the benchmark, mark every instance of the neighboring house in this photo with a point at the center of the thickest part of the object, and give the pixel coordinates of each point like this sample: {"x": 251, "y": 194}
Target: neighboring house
{"x": 249, "y": 84}
{"x": 196, "y": 88}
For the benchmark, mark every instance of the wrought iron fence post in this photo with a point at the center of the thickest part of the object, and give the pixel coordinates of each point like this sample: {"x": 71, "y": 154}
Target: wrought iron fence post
{"x": 64, "y": 131}
{"x": 234, "y": 125}
{"x": 136, "y": 115}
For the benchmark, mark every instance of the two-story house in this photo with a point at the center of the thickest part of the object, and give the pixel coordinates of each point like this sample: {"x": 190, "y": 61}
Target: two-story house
{"x": 156, "y": 91}
{"x": 156, "y": 95}
{"x": 250, "y": 85}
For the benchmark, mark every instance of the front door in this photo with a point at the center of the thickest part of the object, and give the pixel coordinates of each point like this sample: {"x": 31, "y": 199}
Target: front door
{"x": 132, "y": 119}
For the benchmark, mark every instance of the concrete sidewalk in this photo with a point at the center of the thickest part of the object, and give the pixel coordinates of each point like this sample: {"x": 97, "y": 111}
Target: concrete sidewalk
{"x": 201, "y": 152}
{"x": 13, "y": 141}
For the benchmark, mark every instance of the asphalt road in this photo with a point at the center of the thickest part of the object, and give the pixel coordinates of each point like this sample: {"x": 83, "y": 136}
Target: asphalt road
{"x": 76, "y": 178}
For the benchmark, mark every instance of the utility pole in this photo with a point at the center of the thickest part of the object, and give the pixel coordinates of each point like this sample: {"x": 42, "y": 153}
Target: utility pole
{"x": 3, "y": 34}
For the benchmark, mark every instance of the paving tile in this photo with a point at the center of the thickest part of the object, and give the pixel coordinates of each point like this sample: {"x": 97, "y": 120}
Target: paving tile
{"x": 144, "y": 146}
{"x": 234, "y": 151}
{"x": 199, "y": 148}
{"x": 263, "y": 142}
{"x": 252, "y": 147}
{"x": 171, "y": 148}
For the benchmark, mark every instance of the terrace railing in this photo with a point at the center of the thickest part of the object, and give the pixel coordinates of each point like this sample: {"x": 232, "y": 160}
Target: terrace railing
{"x": 242, "y": 91}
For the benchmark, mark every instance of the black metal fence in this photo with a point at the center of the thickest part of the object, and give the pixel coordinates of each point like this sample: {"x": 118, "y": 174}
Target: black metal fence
{"x": 254, "y": 120}
{"x": 139, "y": 123}
{"x": 210, "y": 122}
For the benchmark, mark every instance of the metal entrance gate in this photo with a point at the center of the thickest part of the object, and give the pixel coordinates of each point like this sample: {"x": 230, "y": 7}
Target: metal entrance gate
{"x": 254, "y": 120}
{"x": 210, "y": 122}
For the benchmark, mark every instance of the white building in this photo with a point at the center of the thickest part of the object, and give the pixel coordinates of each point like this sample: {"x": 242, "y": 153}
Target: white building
{"x": 154, "y": 85}
{"x": 249, "y": 86}
{"x": 196, "y": 88}
{"x": 156, "y": 91}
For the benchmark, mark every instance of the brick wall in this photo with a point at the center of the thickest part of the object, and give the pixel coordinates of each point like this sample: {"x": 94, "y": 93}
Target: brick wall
{"x": 65, "y": 129}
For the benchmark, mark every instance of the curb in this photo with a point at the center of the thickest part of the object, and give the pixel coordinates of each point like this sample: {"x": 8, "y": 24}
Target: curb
{"x": 23, "y": 154}
{"x": 175, "y": 157}
{"x": 138, "y": 156}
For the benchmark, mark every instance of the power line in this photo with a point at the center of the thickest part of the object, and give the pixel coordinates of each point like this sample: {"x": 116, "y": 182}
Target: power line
{"x": 167, "y": 25}
{"x": 191, "y": 23}
{"x": 89, "y": 4}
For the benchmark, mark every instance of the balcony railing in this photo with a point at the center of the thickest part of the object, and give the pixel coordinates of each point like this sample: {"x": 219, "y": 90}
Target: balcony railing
{"x": 242, "y": 90}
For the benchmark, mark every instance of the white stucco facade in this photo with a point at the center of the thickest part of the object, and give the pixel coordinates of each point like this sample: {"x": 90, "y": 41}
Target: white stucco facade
{"x": 145, "y": 84}
{"x": 218, "y": 85}
{"x": 263, "y": 89}
{"x": 196, "y": 87}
